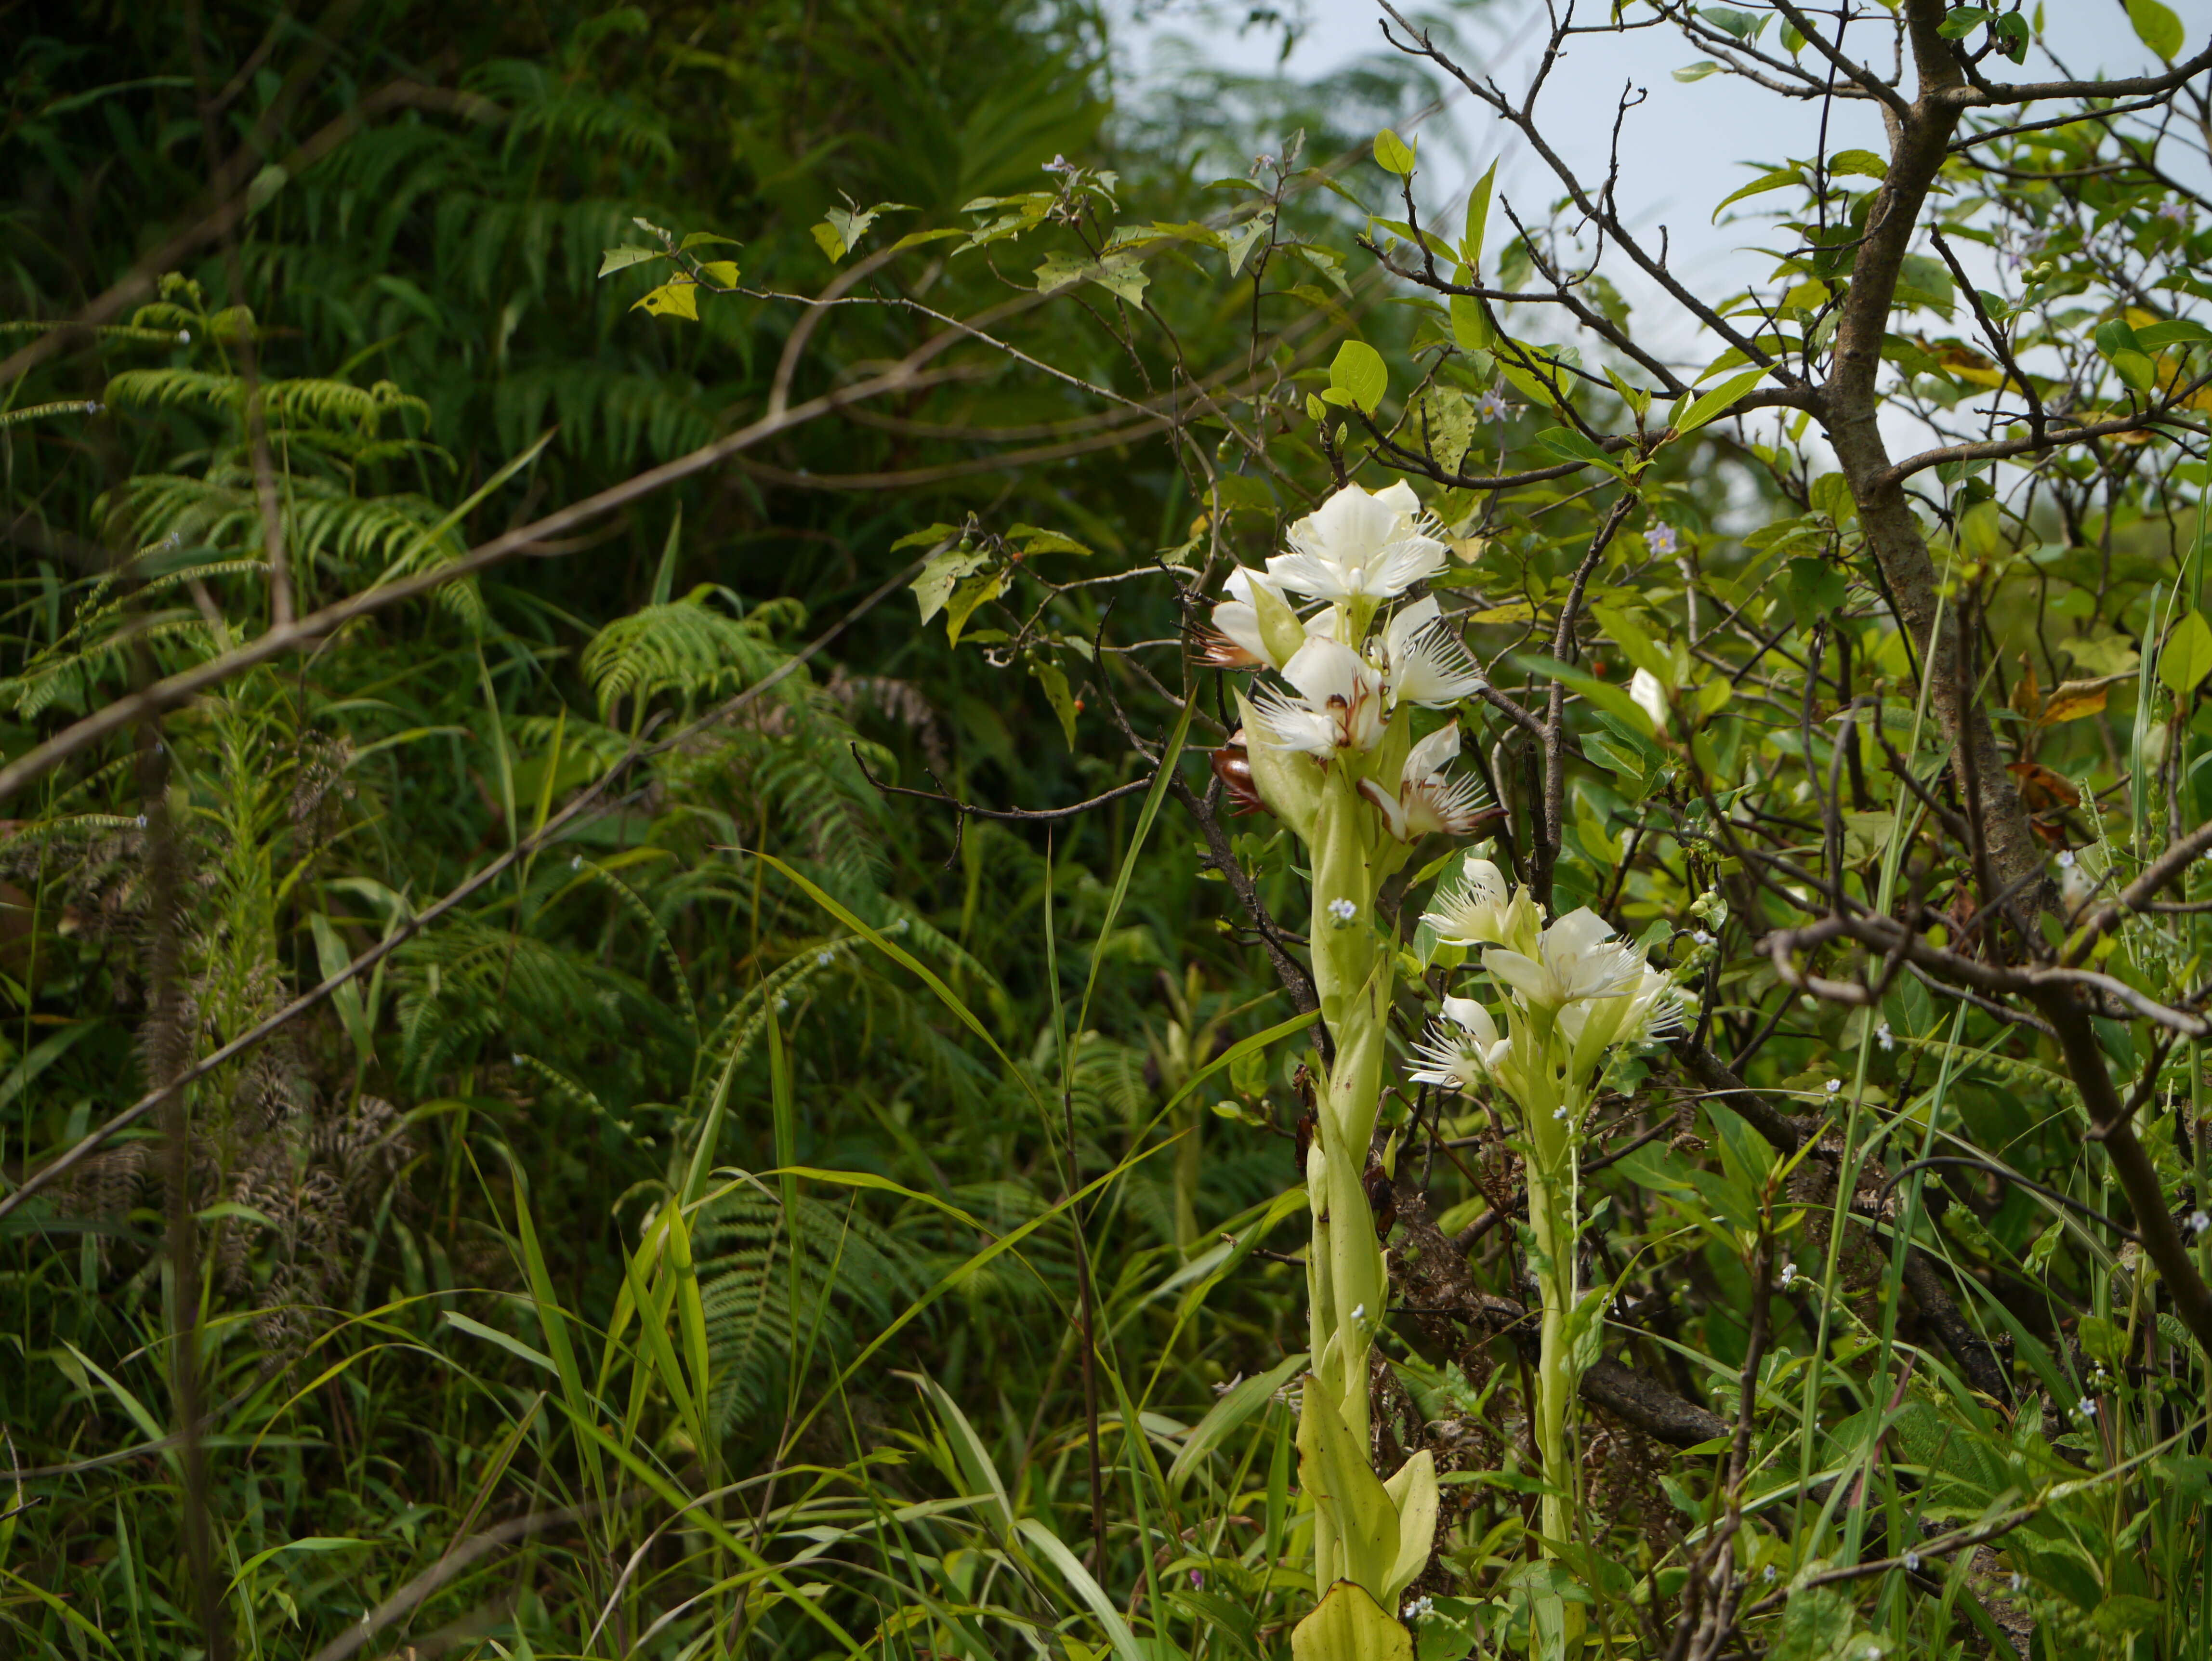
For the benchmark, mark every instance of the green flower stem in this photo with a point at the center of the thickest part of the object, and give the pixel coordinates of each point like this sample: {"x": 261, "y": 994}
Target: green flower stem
{"x": 1347, "y": 1283}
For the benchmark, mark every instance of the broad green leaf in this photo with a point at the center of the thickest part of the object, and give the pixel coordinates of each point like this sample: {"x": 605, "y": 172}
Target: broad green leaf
{"x": 706, "y": 239}
{"x": 1780, "y": 179}
{"x": 722, "y": 273}
{"x": 1414, "y": 1491}
{"x": 1359, "y": 373}
{"x": 1711, "y": 406}
{"x": 1056, "y": 693}
{"x": 1238, "y": 242}
{"x": 1334, "y": 1470}
{"x": 975, "y": 592}
{"x": 1698, "y": 71}
{"x": 2187, "y": 657}
{"x": 1349, "y": 1625}
{"x": 1393, "y": 154}
{"x": 2158, "y": 27}
{"x": 1478, "y": 220}
{"x": 1636, "y": 646}
{"x": 1859, "y": 163}
{"x": 934, "y": 585}
{"x": 1816, "y": 588}
{"x": 617, "y": 259}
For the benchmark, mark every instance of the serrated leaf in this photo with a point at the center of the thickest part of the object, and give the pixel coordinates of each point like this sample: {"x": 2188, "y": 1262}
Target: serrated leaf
{"x": 935, "y": 584}
{"x": 1238, "y": 242}
{"x": 677, "y": 298}
{"x": 1393, "y": 154}
{"x": 1359, "y": 373}
{"x": 974, "y": 593}
{"x": 617, "y": 259}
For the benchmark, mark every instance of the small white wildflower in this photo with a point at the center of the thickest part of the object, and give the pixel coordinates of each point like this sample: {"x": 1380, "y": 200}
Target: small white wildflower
{"x": 1492, "y": 407}
{"x": 91, "y": 407}
{"x": 183, "y": 337}
{"x": 2087, "y": 1407}
{"x": 1789, "y": 1273}
{"x": 822, "y": 957}
{"x": 782, "y": 1005}
{"x": 1417, "y": 1610}
{"x": 1770, "y": 1571}
{"x": 1912, "y": 1562}
{"x": 1342, "y": 909}
{"x": 2199, "y": 1221}
{"x": 2019, "y": 1580}
{"x": 142, "y": 821}
{"x": 575, "y": 862}
{"x": 1359, "y": 1311}
{"x": 1833, "y": 1086}
{"x": 1701, "y": 937}
{"x": 1662, "y": 540}
{"x": 1885, "y": 1038}
{"x": 1560, "y": 1111}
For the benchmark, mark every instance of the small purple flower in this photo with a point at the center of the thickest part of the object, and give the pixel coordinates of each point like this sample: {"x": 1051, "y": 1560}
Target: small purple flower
{"x": 1197, "y": 1578}
{"x": 1662, "y": 540}
{"x": 2175, "y": 213}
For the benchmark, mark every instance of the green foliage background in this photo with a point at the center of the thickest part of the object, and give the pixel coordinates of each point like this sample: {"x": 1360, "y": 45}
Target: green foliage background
{"x": 441, "y": 1293}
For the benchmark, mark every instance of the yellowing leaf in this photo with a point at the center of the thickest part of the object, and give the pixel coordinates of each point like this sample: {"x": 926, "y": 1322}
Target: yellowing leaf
{"x": 1519, "y": 611}
{"x": 677, "y": 298}
{"x": 2072, "y": 700}
{"x": 1348, "y": 1625}
{"x": 723, "y": 273}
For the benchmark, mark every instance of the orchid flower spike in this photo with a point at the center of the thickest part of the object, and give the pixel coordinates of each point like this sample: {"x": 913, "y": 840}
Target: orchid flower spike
{"x": 1428, "y": 799}
{"x": 1360, "y": 546}
{"x": 1339, "y": 706}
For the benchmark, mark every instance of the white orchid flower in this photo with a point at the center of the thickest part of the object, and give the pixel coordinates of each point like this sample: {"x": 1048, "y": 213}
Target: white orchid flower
{"x": 1649, "y": 1011}
{"x": 1360, "y": 546}
{"x": 1577, "y": 959}
{"x": 1422, "y": 663}
{"x": 1461, "y": 1050}
{"x": 1478, "y": 912}
{"x": 1338, "y": 707}
{"x": 1427, "y": 799}
{"x": 1649, "y": 696}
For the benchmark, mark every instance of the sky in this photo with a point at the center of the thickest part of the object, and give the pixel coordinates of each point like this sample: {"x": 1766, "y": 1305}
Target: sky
{"x": 1683, "y": 147}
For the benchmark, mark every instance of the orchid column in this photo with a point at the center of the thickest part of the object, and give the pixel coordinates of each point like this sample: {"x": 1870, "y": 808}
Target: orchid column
{"x": 1336, "y": 759}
